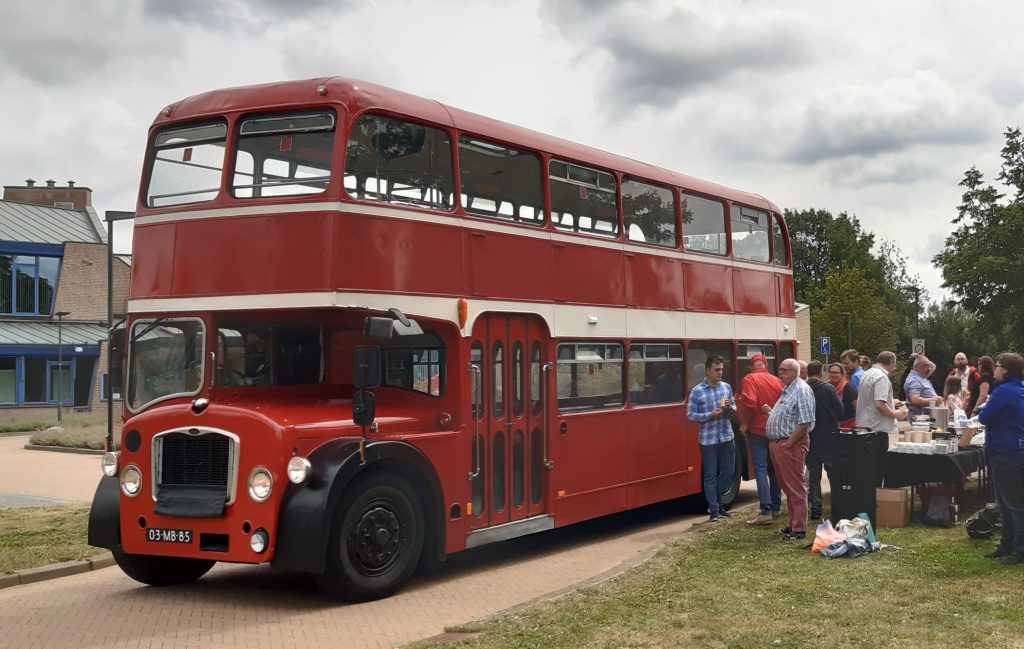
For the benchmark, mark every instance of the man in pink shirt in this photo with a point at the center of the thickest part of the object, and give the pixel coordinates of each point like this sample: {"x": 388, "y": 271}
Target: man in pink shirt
{"x": 760, "y": 387}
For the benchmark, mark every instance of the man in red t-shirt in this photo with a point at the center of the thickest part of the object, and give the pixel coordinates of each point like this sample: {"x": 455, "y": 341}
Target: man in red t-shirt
{"x": 968, "y": 375}
{"x": 760, "y": 387}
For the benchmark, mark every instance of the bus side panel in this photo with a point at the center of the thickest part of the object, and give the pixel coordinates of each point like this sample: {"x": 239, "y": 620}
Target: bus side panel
{"x": 588, "y": 274}
{"x": 155, "y": 244}
{"x": 508, "y": 266}
{"x": 657, "y": 454}
{"x": 591, "y": 465}
{"x": 708, "y": 287}
{"x": 654, "y": 282}
{"x": 754, "y": 291}
{"x": 787, "y": 307}
{"x": 399, "y": 256}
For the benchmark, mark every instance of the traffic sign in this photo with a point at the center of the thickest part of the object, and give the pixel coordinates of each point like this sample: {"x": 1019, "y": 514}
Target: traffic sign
{"x": 917, "y": 346}
{"x": 826, "y": 346}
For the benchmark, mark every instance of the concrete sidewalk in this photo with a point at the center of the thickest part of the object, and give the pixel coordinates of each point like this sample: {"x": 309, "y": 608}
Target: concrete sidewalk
{"x": 41, "y": 478}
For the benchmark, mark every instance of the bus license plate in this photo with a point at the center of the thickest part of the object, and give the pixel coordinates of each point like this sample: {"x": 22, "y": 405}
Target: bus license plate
{"x": 164, "y": 535}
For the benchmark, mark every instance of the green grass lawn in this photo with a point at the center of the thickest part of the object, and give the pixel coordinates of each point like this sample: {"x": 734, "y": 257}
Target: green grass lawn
{"x": 729, "y": 585}
{"x": 90, "y": 433}
{"x": 38, "y": 536}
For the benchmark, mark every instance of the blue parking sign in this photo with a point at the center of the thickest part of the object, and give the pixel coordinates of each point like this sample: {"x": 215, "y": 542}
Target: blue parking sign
{"x": 826, "y": 346}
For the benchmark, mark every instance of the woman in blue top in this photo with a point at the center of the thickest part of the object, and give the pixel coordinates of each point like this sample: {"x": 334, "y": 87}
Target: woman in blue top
{"x": 1003, "y": 418}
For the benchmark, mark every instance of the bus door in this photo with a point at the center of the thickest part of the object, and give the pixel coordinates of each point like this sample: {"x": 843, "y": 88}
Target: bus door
{"x": 507, "y": 432}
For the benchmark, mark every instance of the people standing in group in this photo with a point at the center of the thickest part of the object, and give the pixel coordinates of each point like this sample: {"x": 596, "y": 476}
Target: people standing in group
{"x": 919, "y": 390}
{"x": 828, "y": 411}
{"x": 968, "y": 375}
{"x": 982, "y": 386}
{"x": 865, "y": 363}
{"x": 875, "y": 408}
{"x": 760, "y": 387}
{"x": 1003, "y": 418}
{"x": 787, "y": 426}
{"x": 847, "y": 394}
{"x": 710, "y": 403}
{"x": 851, "y": 362}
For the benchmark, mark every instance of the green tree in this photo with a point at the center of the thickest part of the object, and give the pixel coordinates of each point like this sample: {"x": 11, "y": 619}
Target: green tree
{"x": 823, "y": 243}
{"x": 982, "y": 263}
{"x": 875, "y": 324}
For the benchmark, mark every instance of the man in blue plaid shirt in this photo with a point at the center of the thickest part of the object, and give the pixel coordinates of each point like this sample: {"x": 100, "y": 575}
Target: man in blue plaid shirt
{"x": 710, "y": 403}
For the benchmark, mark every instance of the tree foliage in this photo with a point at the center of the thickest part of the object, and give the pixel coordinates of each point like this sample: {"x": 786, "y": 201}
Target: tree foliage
{"x": 982, "y": 263}
{"x": 874, "y": 323}
{"x": 822, "y": 243}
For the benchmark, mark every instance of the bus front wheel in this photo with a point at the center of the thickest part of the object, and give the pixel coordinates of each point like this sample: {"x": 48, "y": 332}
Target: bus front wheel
{"x": 376, "y": 538}
{"x": 161, "y": 571}
{"x": 729, "y": 497}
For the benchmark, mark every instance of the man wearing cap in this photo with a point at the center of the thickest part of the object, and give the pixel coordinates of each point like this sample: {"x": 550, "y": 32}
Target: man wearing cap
{"x": 760, "y": 387}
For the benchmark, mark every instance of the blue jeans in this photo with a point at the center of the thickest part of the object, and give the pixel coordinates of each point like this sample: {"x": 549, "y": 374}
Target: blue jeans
{"x": 719, "y": 462}
{"x": 768, "y": 490}
{"x": 1008, "y": 479}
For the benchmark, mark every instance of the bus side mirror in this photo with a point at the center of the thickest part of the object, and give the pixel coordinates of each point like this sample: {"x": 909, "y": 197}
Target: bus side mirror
{"x": 364, "y": 408}
{"x": 367, "y": 369}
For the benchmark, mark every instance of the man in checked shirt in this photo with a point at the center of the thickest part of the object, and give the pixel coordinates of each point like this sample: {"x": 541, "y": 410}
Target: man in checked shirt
{"x": 788, "y": 423}
{"x": 710, "y": 403}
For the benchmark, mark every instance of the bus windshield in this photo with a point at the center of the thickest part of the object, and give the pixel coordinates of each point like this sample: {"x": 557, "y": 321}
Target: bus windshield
{"x": 166, "y": 360}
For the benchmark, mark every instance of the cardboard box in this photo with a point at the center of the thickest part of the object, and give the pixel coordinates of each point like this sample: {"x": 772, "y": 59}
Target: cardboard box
{"x": 892, "y": 507}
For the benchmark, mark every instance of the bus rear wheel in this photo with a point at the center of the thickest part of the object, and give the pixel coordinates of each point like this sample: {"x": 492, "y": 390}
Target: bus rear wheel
{"x": 729, "y": 497}
{"x": 376, "y": 538}
{"x": 161, "y": 571}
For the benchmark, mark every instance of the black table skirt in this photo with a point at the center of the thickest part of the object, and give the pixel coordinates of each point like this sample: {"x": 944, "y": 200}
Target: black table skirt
{"x": 909, "y": 469}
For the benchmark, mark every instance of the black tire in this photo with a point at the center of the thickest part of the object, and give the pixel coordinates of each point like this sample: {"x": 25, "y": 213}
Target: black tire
{"x": 729, "y": 497}
{"x": 161, "y": 571}
{"x": 376, "y": 539}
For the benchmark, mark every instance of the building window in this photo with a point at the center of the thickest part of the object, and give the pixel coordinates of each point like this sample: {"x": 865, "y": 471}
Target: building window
{"x": 8, "y": 380}
{"x": 28, "y": 284}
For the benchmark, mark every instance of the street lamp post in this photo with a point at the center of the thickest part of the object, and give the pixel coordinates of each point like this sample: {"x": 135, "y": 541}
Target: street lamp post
{"x": 849, "y": 328}
{"x": 60, "y": 364}
{"x": 917, "y": 309}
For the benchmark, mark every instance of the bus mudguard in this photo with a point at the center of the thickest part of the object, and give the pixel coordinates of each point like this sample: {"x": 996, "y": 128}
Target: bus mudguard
{"x": 307, "y": 509}
{"x": 105, "y": 514}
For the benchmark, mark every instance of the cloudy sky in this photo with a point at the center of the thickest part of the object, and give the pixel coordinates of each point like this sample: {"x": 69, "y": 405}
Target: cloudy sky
{"x": 873, "y": 108}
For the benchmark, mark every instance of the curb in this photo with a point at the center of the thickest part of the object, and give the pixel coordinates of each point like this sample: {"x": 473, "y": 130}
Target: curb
{"x": 63, "y": 449}
{"x": 55, "y": 570}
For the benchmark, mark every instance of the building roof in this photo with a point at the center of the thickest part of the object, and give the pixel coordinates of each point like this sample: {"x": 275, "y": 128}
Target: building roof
{"x": 27, "y": 223}
{"x": 45, "y": 333}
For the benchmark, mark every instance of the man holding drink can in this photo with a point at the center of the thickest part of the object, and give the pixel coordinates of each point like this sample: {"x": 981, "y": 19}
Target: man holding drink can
{"x": 711, "y": 402}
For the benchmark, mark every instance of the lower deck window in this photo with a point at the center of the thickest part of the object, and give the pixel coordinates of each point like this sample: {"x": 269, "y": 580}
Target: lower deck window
{"x": 590, "y": 376}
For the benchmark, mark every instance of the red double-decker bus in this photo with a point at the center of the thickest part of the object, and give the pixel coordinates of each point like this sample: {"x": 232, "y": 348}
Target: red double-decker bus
{"x": 367, "y": 330}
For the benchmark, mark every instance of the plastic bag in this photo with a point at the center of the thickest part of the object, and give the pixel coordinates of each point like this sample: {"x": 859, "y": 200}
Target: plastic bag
{"x": 826, "y": 535}
{"x": 858, "y": 528}
{"x": 852, "y": 548}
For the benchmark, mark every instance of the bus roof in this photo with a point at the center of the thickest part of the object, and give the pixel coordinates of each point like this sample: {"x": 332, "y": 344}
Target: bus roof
{"x": 360, "y": 96}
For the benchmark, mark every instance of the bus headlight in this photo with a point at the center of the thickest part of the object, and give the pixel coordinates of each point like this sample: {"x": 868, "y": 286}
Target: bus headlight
{"x": 131, "y": 481}
{"x": 259, "y": 541}
{"x": 299, "y": 469}
{"x": 109, "y": 463}
{"x": 261, "y": 483}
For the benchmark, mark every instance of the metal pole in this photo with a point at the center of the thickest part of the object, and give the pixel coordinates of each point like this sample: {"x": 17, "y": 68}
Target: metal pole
{"x": 110, "y": 332}
{"x": 111, "y": 217}
{"x": 60, "y": 365}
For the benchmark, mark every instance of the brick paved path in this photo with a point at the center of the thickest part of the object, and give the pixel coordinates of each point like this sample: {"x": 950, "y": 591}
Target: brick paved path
{"x": 256, "y": 606}
{"x": 60, "y": 476}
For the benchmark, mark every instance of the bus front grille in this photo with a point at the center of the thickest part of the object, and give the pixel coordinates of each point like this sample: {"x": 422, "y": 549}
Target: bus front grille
{"x": 195, "y": 458}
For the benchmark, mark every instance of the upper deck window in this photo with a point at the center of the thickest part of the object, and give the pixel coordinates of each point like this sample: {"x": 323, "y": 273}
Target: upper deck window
{"x": 500, "y": 182}
{"x": 400, "y": 162}
{"x": 781, "y": 257}
{"x": 649, "y": 214}
{"x": 750, "y": 234}
{"x": 703, "y": 225}
{"x": 187, "y": 164}
{"x": 583, "y": 199}
{"x": 284, "y": 155}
